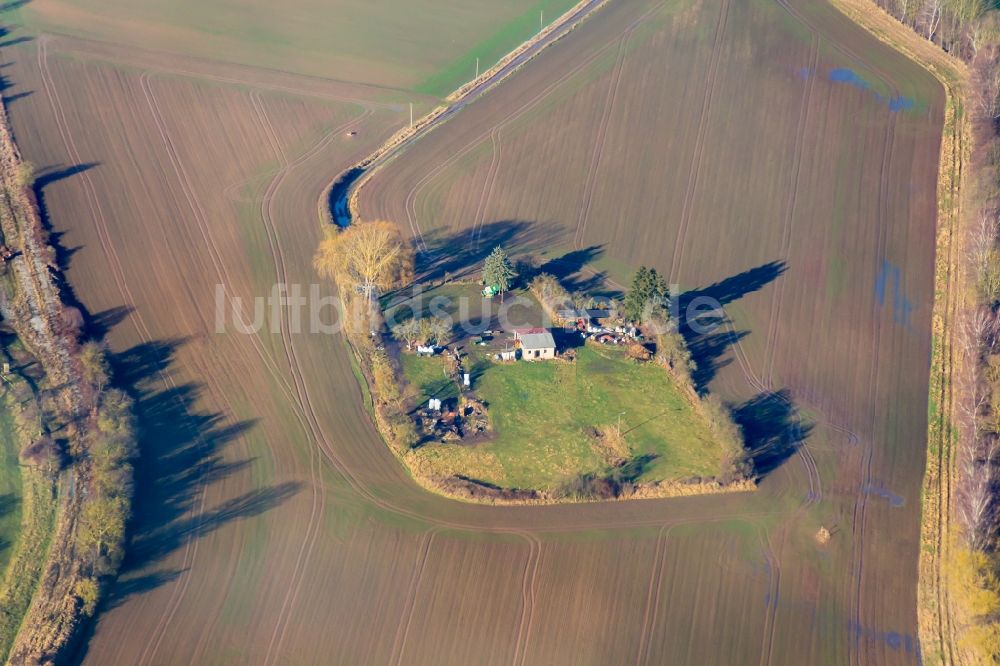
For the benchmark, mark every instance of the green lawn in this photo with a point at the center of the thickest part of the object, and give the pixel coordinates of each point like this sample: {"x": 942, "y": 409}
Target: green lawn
{"x": 426, "y": 375}
{"x": 10, "y": 490}
{"x": 423, "y": 46}
{"x": 541, "y": 413}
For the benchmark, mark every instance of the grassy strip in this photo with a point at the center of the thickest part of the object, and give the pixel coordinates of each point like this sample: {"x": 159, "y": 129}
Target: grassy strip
{"x": 10, "y": 489}
{"x": 25, "y": 569}
{"x": 936, "y": 612}
{"x": 38, "y": 516}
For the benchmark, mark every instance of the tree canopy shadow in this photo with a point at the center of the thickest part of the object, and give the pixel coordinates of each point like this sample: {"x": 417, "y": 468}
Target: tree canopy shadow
{"x": 95, "y": 327}
{"x": 98, "y": 325}
{"x": 43, "y": 179}
{"x": 8, "y": 502}
{"x": 181, "y": 452}
{"x": 706, "y": 332}
{"x": 447, "y": 253}
{"x": 573, "y": 271}
{"x": 5, "y": 31}
{"x": 772, "y": 429}
{"x": 737, "y": 286}
{"x": 11, "y": 5}
{"x": 7, "y": 41}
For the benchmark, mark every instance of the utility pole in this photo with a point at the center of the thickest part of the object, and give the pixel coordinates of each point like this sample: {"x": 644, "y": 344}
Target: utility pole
{"x": 620, "y": 424}
{"x": 477, "y": 68}
{"x": 541, "y": 20}
{"x": 411, "y": 115}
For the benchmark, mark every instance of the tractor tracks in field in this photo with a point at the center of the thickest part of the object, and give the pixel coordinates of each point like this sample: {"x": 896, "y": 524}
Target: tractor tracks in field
{"x": 143, "y": 332}
{"x": 773, "y": 592}
{"x": 699, "y": 146}
{"x": 528, "y": 592}
{"x": 652, "y": 597}
{"x": 494, "y": 133}
{"x": 116, "y": 267}
{"x": 860, "y": 512}
{"x": 602, "y": 133}
{"x": 942, "y": 428}
{"x": 201, "y": 218}
{"x": 859, "y": 518}
{"x": 409, "y": 604}
{"x": 488, "y": 185}
{"x": 789, "y": 219}
{"x": 278, "y": 263}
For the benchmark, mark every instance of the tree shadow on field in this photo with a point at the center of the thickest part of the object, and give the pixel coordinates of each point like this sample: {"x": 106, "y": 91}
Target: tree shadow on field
{"x": 8, "y": 503}
{"x": 772, "y": 430}
{"x": 12, "y": 5}
{"x": 460, "y": 254}
{"x": 95, "y": 327}
{"x": 181, "y": 453}
{"x": 7, "y": 41}
{"x": 43, "y": 179}
{"x": 5, "y": 31}
{"x": 704, "y": 324}
{"x": 574, "y": 273}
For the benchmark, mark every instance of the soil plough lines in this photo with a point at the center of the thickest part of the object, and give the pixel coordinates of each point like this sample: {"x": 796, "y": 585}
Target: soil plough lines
{"x": 78, "y": 46}
{"x": 808, "y": 461}
{"x": 410, "y": 200}
{"x": 699, "y": 145}
{"x": 860, "y": 509}
{"x": 200, "y": 217}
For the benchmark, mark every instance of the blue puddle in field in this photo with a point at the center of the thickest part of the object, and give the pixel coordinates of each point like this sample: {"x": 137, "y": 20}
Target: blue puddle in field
{"x": 852, "y": 78}
{"x": 848, "y": 76}
{"x": 902, "y": 307}
{"x": 894, "y": 499}
{"x": 894, "y": 639}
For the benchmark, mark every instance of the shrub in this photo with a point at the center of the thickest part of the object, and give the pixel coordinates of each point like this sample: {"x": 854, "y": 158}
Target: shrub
{"x": 384, "y": 377}
{"x": 736, "y": 463}
{"x": 673, "y": 354}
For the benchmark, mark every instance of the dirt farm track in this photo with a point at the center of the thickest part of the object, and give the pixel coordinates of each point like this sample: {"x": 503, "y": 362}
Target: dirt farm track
{"x": 785, "y": 163}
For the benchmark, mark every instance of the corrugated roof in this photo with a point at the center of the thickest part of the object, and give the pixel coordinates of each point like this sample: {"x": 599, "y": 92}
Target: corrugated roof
{"x": 537, "y": 341}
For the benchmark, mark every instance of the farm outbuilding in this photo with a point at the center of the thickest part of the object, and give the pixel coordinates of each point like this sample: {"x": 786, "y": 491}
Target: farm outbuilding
{"x": 536, "y": 344}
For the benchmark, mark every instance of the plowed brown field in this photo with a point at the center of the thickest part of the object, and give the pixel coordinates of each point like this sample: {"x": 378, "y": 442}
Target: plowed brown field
{"x": 773, "y": 157}
{"x": 274, "y": 526}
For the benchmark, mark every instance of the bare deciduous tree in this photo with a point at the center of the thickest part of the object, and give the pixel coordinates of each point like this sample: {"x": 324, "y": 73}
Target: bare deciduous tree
{"x": 370, "y": 256}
